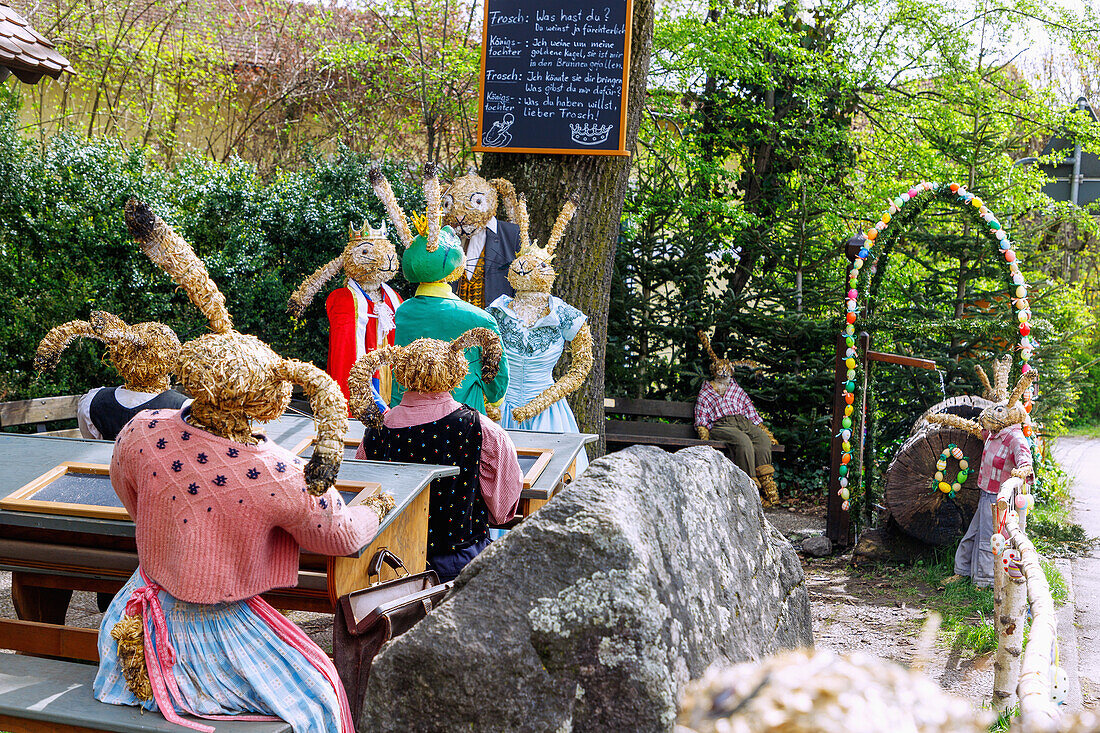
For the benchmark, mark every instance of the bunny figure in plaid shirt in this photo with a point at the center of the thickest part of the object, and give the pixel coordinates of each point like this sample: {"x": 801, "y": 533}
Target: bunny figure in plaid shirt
{"x": 724, "y": 412}
{"x": 1004, "y": 427}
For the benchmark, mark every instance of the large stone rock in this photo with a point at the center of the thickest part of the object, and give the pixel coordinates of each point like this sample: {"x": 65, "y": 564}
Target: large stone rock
{"x": 595, "y": 612}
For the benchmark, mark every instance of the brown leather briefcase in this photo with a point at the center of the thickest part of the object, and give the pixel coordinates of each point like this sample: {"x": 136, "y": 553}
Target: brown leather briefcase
{"x": 368, "y": 618}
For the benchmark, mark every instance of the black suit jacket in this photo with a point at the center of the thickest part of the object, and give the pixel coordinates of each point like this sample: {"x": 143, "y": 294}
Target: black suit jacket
{"x": 501, "y": 247}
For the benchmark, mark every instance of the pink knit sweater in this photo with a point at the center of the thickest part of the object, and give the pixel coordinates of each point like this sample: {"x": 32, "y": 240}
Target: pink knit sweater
{"x": 222, "y": 521}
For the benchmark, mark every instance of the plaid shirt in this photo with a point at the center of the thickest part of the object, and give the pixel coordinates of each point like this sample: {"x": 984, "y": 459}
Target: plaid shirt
{"x": 711, "y": 406}
{"x": 1004, "y": 450}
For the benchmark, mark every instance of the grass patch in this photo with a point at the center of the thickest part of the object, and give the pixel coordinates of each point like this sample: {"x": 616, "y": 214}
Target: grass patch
{"x": 966, "y": 612}
{"x": 1083, "y": 431}
{"x": 1048, "y": 524}
{"x": 1004, "y": 721}
{"x": 1058, "y": 589}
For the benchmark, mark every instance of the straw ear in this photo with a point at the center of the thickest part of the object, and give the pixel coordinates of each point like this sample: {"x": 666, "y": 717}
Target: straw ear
{"x": 987, "y": 388}
{"x": 523, "y": 220}
{"x": 566, "y": 216}
{"x": 113, "y": 329}
{"x": 1002, "y": 369}
{"x": 705, "y": 340}
{"x": 174, "y": 255}
{"x": 58, "y": 339}
{"x": 331, "y": 411}
{"x": 384, "y": 192}
{"x": 307, "y": 291}
{"x": 506, "y": 193}
{"x": 433, "y": 197}
{"x": 1021, "y": 386}
{"x": 491, "y": 350}
{"x": 363, "y": 406}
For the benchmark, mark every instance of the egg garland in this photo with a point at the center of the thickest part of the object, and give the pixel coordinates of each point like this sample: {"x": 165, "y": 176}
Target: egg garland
{"x": 940, "y": 482}
{"x": 903, "y": 209}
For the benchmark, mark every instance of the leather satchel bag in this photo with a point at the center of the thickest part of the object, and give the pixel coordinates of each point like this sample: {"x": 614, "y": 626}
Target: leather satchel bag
{"x": 368, "y": 618}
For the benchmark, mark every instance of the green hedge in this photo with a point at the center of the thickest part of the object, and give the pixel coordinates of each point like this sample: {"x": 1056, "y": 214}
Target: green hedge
{"x": 65, "y": 249}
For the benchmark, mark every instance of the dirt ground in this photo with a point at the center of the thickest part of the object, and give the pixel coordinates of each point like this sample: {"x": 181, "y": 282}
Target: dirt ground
{"x": 858, "y": 610}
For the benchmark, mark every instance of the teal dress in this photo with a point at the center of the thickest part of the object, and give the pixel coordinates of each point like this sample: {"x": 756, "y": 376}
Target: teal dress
{"x": 446, "y": 318}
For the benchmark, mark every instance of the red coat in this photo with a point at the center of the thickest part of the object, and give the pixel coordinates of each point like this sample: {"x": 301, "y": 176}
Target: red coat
{"x": 353, "y": 330}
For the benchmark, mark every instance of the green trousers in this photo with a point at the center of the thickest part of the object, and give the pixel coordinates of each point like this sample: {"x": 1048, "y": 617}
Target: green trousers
{"x": 749, "y": 445}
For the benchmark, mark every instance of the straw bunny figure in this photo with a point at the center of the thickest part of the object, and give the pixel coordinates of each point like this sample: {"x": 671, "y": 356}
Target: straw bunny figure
{"x": 535, "y": 326}
{"x": 470, "y": 206}
{"x": 1004, "y": 427}
{"x": 360, "y": 314}
{"x": 429, "y": 426}
{"x": 144, "y": 354}
{"x": 724, "y": 412}
{"x": 221, "y": 516}
{"x": 433, "y": 259}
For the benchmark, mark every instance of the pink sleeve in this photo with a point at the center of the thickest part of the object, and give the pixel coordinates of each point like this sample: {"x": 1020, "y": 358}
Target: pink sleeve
{"x": 500, "y": 476}
{"x": 122, "y": 470}
{"x": 327, "y": 526}
{"x": 1021, "y": 452}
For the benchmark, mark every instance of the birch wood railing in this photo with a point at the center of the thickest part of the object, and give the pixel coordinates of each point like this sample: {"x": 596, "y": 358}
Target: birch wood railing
{"x": 1019, "y": 672}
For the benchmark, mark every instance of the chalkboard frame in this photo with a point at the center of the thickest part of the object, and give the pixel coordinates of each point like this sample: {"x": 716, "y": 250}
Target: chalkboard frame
{"x": 621, "y": 151}
{"x": 22, "y": 499}
{"x": 543, "y": 456}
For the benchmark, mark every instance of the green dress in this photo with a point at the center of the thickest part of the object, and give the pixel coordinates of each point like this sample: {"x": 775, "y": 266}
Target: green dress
{"x": 445, "y": 316}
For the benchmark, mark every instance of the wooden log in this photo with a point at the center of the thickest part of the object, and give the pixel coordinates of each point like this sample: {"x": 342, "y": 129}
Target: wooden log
{"x": 932, "y": 516}
{"x": 967, "y": 405}
{"x": 1038, "y": 713}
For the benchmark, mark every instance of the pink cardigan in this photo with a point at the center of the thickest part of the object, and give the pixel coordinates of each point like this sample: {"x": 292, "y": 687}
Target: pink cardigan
{"x": 221, "y": 521}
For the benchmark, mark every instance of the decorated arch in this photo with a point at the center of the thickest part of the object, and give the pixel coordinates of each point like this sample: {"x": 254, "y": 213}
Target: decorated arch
{"x": 903, "y": 210}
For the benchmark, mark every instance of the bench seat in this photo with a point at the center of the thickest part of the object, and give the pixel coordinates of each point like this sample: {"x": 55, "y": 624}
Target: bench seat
{"x": 676, "y": 431}
{"x": 39, "y": 695}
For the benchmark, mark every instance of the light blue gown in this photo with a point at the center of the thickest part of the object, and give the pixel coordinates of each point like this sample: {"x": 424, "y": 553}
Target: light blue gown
{"x": 532, "y": 354}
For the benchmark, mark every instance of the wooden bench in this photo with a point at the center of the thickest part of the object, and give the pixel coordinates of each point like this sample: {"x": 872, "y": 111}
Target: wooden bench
{"x": 668, "y": 425}
{"x": 53, "y": 696}
{"x": 40, "y": 411}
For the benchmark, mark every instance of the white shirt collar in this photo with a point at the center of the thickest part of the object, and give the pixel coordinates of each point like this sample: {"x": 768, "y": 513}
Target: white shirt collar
{"x": 476, "y": 246}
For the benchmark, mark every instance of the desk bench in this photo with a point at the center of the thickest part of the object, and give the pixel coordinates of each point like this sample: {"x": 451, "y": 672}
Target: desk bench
{"x": 40, "y": 411}
{"x": 665, "y": 424}
{"x": 51, "y": 696}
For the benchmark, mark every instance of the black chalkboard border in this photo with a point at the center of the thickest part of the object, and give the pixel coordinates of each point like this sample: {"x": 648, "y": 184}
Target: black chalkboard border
{"x": 622, "y": 151}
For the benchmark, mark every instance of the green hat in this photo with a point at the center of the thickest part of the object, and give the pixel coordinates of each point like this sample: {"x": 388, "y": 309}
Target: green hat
{"x": 418, "y": 265}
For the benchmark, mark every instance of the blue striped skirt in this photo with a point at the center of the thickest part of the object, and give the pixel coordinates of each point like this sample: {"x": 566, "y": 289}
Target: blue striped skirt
{"x": 229, "y": 661}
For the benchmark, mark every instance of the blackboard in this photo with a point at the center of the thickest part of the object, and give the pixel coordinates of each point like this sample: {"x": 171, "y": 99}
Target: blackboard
{"x": 554, "y": 76}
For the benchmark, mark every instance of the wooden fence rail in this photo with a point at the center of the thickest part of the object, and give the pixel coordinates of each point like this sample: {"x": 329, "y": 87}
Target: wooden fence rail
{"x": 1018, "y": 583}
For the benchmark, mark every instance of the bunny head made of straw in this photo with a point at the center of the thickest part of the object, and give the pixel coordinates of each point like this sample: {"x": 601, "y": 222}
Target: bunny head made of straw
{"x": 435, "y": 255}
{"x": 1005, "y": 412}
{"x": 721, "y": 370}
{"x": 426, "y": 365}
{"x": 531, "y": 271}
{"x": 235, "y": 378}
{"x": 471, "y": 201}
{"x": 144, "y": 354}
{"x": 369, "y": 258}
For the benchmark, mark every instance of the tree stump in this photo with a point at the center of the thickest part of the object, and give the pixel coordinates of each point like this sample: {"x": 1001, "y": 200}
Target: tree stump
{"x": 967, "y": 405}
{"x": 926, "y": 514}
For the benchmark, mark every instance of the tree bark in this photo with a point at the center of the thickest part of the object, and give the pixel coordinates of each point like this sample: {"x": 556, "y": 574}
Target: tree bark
{"x": 585, "y": 257}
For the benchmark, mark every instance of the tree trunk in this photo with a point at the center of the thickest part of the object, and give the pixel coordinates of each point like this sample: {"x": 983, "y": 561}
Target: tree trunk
{"x": 928, "y": 515}
{"x": 585, "y": 257}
